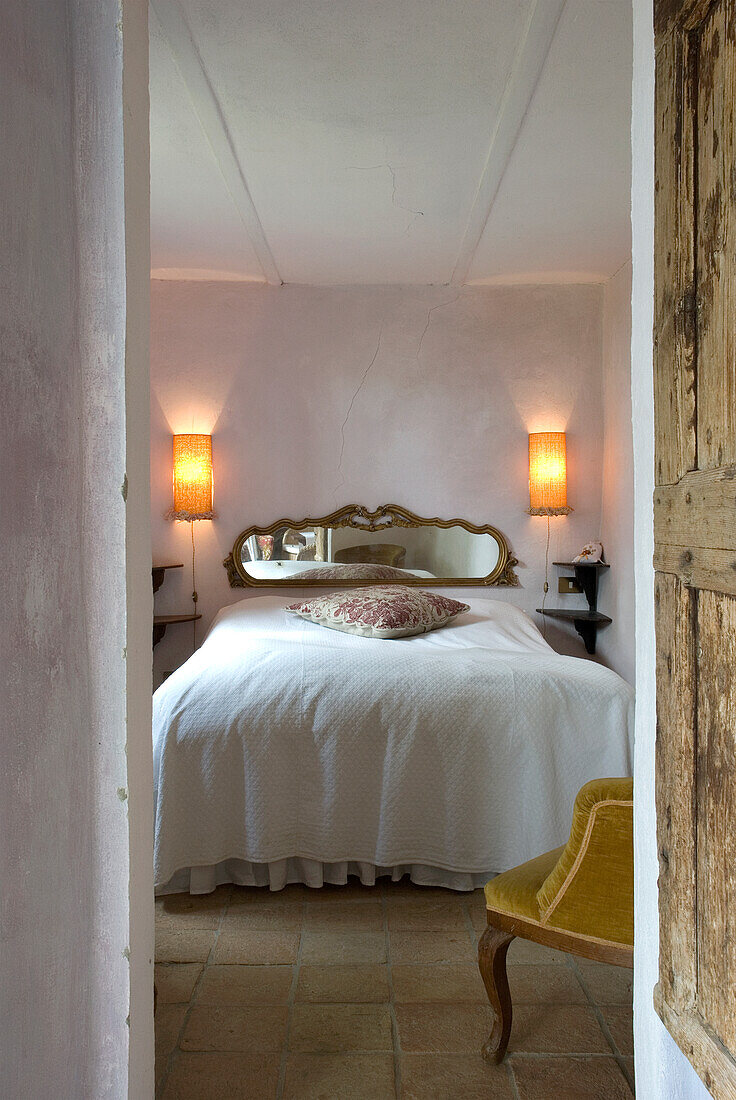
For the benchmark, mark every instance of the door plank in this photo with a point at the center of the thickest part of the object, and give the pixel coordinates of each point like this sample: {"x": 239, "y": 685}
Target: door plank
{"x": 679, "y": 15}
{"x": 716, "y": 802}
{"x": 695, "y": 529}
{"x": 700, "y": 510}
{"x": 674, "y": 253}
{"x": 675, "y": 767}
{"x": 716, "y": 245}
{"x": 713, "y": 1062}
{"x": 698, "y": 566}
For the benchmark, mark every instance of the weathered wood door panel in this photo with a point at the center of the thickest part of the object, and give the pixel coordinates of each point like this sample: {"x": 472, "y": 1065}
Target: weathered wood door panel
{"x": 695, "y": 529}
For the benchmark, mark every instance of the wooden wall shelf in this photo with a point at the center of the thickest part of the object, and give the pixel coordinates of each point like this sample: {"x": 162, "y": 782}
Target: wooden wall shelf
{"x": 160, "y": 622}
{"x": 587, "y": 623}
{"x": 158, "y": 573}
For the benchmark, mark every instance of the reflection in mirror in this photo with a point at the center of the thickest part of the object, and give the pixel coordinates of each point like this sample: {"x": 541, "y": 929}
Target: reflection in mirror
{"x": 357, "y": 546}
{"x": 423, "y": 552}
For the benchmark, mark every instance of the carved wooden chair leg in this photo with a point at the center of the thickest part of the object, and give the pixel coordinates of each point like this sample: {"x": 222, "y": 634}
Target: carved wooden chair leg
{"x": 492, "y": 948}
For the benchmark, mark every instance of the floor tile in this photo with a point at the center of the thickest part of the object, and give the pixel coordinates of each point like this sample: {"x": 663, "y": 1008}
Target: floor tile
{"x": 476, "y": 900}
{"x": 348, "y": 916}
{"x": 246, "y": 945}
{"x": 571, "y": 1078}
{"x": 451, "y": 1076}
{"x": 456, "y": 1028}
{"x": 167, "y": 1022}
{"x": 340, "y": 1035}
{"x": 340, "y": 1028}
{"x": 556, "y": 1029}
{"x": 245, "y": 985}
{"x": 619, "y": 1019}
{"x": 431, "y": 947}
{"x": 343, "y": 984}
{"x": 205, "y": 1076}
{"x": 339, "y": 1076}
{"x": 407, "y": 889}
{"x": 183, "y": 944}
{"x": 190, "y": 903}
{"x": 182, "y": 921}
{"x": 264, "y": 918}
{"x": 608, "y": 985}
{"x": 525, "y": 952}
{"x": 343, "y": 948}
{"x": 250, "y": 1030}
{"x": 544, "y": 984}
{"x": 444, "y": 983}
{"x": 175, "y": 981}
{"x": 432, "y": 915}
{"x": 479, "y": 920}
{"x": 190, "y": 910}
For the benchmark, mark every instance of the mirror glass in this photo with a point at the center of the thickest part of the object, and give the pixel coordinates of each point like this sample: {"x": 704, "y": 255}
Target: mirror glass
{"x": 285, "y": 554}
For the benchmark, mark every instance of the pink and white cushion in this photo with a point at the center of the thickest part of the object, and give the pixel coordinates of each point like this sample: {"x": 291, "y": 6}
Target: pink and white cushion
{"x": 382, "y": 611}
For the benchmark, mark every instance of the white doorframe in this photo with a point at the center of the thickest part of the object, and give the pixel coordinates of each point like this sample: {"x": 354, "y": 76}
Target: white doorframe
{"x": 139, "y": 603}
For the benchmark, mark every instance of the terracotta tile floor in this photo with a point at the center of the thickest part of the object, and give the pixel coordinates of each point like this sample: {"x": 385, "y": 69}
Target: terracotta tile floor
{"x": 357, "y": 992}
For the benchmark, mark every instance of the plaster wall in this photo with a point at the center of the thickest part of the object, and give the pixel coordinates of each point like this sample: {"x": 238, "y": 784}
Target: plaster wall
{"x": 73, "y": 750}
{"x": 421, "y": 396}
{"x": 616, "y": 644}
{"x": 662, "y": 1071}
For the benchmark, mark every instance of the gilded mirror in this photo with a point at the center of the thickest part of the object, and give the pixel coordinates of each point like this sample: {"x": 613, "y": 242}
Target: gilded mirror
{"x": 390, "y": 545}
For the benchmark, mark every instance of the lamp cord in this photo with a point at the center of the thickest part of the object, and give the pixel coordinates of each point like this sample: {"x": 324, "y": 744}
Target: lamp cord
{"x": 546, "y": 583}
{"x": 195, "y": 597}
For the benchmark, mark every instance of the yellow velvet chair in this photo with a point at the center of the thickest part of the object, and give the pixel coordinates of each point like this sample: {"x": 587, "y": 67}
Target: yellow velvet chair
{"x": 578, "y": 898}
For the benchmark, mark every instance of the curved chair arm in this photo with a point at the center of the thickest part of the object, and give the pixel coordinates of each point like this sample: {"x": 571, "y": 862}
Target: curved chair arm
{"x": 590, "y": 889}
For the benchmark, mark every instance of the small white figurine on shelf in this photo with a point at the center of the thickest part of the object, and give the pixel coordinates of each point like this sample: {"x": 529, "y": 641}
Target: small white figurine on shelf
{"x": 591, "y": 552}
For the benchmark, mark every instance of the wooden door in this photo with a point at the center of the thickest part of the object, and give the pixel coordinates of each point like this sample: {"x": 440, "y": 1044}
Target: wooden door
{"x": 695, "y": 529}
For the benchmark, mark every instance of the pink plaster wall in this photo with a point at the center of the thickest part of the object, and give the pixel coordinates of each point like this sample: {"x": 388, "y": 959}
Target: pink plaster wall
{"x": 75, "y": 969}
{"x": 438, "y": 420}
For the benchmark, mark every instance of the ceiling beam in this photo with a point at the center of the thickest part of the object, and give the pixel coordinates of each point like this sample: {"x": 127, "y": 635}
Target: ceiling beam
{"x": 531, "y": 54}
{"x": 215, "y": 128}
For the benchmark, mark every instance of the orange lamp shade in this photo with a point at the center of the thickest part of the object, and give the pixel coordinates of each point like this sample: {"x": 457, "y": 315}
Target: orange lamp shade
{"x": 192, "y": 477}
{"x": 548, "y": 474}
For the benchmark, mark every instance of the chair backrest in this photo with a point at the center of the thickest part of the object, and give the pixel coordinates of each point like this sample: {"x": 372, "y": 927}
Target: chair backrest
{"x": 377, "y": 553}
{"x": 591, "y": 888}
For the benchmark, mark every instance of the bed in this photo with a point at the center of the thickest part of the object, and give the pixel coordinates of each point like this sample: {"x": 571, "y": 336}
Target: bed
{"x": 286, "y": 752}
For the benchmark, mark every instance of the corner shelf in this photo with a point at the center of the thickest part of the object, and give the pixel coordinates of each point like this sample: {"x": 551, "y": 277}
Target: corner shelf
{"x": 158, "y": 573}
{"x": 587, "y": 623}
{"x": 160, "y": 622}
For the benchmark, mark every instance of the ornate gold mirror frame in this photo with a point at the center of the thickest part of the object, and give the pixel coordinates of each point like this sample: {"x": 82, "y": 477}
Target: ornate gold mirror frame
{"x": 386, "y": 518}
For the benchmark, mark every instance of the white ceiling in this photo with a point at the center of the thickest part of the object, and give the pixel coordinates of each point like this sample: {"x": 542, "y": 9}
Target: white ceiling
{"x": 390, "y": 141}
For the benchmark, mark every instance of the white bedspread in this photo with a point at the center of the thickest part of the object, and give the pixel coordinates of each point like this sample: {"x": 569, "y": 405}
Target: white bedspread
{"x": 280, "y": 741}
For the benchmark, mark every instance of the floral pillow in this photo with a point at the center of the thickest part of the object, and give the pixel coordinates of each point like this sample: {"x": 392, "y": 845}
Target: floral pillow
{"x": 383, "y": 611}
{"x": 357, "y": 572}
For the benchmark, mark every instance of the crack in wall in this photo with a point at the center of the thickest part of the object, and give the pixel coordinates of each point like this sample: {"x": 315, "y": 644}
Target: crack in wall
{"x": 439, "y": 305}
{"x": 362, "y": 382}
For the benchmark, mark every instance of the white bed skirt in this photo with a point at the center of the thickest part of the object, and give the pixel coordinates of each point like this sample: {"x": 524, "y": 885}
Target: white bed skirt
{"x": 311, "y": 872}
